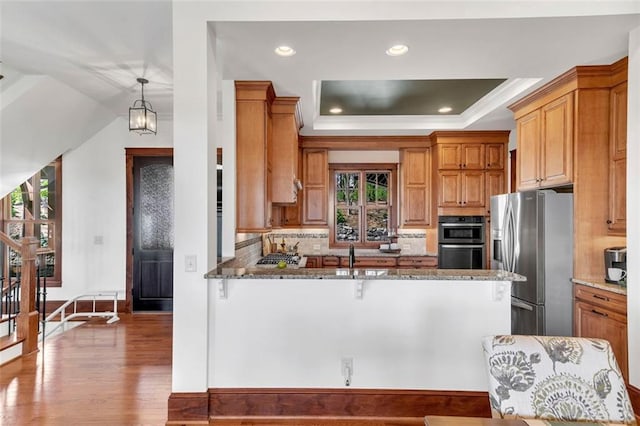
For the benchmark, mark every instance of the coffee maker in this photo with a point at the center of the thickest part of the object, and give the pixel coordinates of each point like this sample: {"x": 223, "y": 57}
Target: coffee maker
{"x": 615, "y": 257}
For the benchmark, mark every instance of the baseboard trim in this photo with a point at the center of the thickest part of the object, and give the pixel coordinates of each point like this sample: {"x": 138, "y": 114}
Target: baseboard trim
{"x": 634, "y": 395}
{"x": 291, "y": 402}
{"x": 189, "y": 407}
{"x": 315, "y": 421}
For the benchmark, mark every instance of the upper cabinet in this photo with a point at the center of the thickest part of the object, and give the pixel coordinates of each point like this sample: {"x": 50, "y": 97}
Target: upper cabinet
{"x": 253, "y": 168}
{"x": 415, "y": 190}
{"x": 572, "y": 131}
{"x": 316, "y": 180}
{"x": 545, "y": 145}
{"x": 452, "y": 156}
{"x": 618, "y": 161}
{"x": 286, "y": 121}
{"x": 468, "y": 169}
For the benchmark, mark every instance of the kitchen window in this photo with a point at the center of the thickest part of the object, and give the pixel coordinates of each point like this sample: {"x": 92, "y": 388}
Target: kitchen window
{"x": 35, "y": 209}
{"x": 362, "y": 204}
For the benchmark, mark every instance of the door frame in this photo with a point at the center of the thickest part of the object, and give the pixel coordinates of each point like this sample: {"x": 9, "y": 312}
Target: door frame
{"x": 130, "y": 155}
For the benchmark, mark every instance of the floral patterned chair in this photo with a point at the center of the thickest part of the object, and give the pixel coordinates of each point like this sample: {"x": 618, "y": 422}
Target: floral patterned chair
{"x": 556, "y": 378}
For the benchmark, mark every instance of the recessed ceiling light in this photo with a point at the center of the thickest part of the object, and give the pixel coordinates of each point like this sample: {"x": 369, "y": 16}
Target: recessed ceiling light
{"x": 445, "y": 109}
{"x": 335, "y": 110}
{"x": 285, "y": 51}
{"x": 397, "y": 50}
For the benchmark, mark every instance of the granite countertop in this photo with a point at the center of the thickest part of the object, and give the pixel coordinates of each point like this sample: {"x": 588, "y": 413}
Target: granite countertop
{"x": 363, "y": 273}
{"x": 601, "y": 284}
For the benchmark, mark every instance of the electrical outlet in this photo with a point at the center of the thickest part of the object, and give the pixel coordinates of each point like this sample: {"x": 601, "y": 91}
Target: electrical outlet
{"x": 190, "y": 263}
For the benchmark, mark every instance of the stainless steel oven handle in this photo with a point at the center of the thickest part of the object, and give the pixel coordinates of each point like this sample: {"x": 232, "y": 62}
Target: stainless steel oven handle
{"x": 468, "y": 225}
{"x": 462, "y": 245}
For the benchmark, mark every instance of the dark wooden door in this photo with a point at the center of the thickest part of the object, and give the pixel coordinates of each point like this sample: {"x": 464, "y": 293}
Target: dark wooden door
{"x": 153, "y": 234}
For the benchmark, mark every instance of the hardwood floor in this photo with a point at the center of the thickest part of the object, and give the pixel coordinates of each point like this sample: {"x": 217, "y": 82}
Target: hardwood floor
{"x": 95, "y": 374}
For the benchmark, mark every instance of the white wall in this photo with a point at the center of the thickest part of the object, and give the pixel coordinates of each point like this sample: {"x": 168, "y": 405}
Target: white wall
{"x": 402, "y": 334}
{"x": 633, "y": 207}
{"x": 364, "y": 157}
{"x": 194, "y": 112}
{"x": 41, "y": 119}
{"x": 93, "y": 203}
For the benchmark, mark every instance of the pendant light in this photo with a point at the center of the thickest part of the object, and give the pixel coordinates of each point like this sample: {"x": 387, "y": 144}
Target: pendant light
{"x": 142, "y": 117}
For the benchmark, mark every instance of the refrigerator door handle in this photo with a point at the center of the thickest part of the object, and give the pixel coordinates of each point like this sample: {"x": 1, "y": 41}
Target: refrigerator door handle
{"x": 505, "y": 238}
{"x": 521, "y": 305}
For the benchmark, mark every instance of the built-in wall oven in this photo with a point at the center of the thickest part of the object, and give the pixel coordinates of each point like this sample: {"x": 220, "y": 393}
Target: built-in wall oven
{"x": 461, "y": 242}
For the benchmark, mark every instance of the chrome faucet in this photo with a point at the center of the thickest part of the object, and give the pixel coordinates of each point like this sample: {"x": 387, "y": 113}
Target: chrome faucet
{"x": 352, "y": 256}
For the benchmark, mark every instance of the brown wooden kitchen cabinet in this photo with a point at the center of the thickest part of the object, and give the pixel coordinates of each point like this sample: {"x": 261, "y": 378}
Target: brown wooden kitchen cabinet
{"x": 545, "y": 145}
{"x": 286, "y": 121}
{"x": 330, "y": 261}
{"x": 469, "y": 167}
{"x": 315, "y": 180}
{"x": 415, "y": 187}
{"x": 418, "y": 262}
{"x": 253, "y": 168}
{"x": 495, "y": 156}
{"x": 603, "y": 314}
{"x": 494, "y": 185}
{"x": 617, "y": 222}
{"x": 461, "y": 156}
{"x": 369, "y": 262}
{"x": 461, "y": 189}
{"x": 314, "y": 262}
{"x": 564, "y": 133}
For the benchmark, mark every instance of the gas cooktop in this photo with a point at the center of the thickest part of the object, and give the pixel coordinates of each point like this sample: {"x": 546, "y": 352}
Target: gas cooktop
{"x": 272, "y": 259}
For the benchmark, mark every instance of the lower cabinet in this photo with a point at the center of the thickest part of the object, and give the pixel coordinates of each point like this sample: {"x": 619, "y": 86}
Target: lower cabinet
{"x": 407, "y": 262}
{"x": 603, "y": 314}
{"x": 415, "y": 262}
{"x": 370, "y": 262}
{"x": 314, "y": 262}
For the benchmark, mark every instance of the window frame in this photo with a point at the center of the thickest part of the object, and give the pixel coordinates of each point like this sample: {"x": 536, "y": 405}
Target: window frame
{"x": 56, "y": 235}
{"x": 362, "y": 169}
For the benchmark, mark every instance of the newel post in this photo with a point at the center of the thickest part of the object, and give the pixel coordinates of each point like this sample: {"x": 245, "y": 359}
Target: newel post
{"x": 28, "y": 316}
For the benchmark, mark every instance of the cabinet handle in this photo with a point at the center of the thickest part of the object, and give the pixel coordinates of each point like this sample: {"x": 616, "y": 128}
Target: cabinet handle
{"x": 597, "y": 296}
{"x": 609, "y": 222}
{"x": 460, "y": 165}
{"x": 599, "y": 313}
{"x": 488, "y": 164}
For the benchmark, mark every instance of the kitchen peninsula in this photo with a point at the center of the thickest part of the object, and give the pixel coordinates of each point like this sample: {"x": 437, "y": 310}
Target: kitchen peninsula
{"x": 396, "y": 328}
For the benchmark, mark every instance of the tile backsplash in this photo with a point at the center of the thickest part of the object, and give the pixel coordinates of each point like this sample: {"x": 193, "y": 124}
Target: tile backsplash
{"x": 316, "y": 241}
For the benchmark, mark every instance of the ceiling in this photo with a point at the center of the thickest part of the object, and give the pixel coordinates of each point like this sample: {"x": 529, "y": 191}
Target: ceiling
{"x": 101, "y": 47}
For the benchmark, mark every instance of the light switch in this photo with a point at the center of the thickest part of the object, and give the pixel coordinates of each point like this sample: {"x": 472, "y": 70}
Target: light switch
{"x": 190, "y": 263}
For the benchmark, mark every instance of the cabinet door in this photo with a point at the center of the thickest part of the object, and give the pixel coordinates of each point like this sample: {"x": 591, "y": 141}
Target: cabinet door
{"x": 598, "y": 322}
{"x": 473, "y": 156}
{"x": 370, "y": 262}
{"x": 316, "y": 176}
{"x": 449, "y": 189}
{"x": 556, "y": 164}
{"x": 449, "y": 156}
{"x": 314, "y": 262}
{"x": 618, "y": 121}
{"x": 618, "y": 161}
{"x": 618, "y": 196}
{"x": 415, "y": 192}
{"x": 284, "y": 150}
{"x": 472, "y": 190}
{"x": 253, "y": 203}
{"x": 495, "y": 185}
{"x": 528, "y": 131}
{"x": 495, "y": 154}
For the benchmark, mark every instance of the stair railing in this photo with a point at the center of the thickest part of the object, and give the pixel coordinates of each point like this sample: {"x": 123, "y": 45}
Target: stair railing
{"x": 26, "y": 325}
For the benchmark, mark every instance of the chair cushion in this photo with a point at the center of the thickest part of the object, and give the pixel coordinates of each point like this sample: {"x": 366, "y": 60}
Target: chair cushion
{"x": 556, "y": 378}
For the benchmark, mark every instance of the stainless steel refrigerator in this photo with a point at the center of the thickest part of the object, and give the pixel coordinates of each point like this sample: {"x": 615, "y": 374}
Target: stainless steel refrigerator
{"x": 532, "y": 235}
